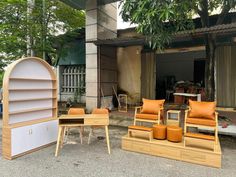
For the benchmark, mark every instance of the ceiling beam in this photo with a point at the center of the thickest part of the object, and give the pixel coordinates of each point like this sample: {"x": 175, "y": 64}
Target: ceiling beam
{"x": 80, "y": 4}
{"x": 103, "y": 2}
{"x": 76, "y": 4}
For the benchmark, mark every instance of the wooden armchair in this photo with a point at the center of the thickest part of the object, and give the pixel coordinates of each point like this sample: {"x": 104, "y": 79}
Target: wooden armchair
{"x": 151, "y": 111}
{"x": 201, "y": 115}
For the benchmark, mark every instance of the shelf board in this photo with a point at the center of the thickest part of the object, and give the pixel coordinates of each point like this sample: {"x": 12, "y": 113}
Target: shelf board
{"x": 32, "y": 99}
{"x": 31, "y": 122}
{"x": 31, "y": 79}
{"x": 31, "y": 89}
{"x": 31, "y": 110}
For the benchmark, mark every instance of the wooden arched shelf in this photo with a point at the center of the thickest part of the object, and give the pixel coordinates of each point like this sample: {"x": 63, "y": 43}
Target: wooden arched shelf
{"x": 29, "y": 106}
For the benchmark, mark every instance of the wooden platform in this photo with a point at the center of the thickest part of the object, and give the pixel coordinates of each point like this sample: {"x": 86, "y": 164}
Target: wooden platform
{"x": 177, "y": 151}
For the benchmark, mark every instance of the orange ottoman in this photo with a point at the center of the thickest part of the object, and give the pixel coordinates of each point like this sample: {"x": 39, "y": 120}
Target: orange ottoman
{"x": 174, "y": 133}
{"x": 159, "y": 132}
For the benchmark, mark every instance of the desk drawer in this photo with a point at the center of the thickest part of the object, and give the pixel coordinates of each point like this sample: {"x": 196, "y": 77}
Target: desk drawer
{"x": 96, "y": 121}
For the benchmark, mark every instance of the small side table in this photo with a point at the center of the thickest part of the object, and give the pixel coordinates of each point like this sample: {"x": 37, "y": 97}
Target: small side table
{"x": 122, "y": 98}
{"x": 173, "y": 117}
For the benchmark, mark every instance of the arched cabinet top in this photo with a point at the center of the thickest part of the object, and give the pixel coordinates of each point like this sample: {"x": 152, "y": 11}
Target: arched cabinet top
{"x": 29, "y": 68}
{"x": 29, "y": 92}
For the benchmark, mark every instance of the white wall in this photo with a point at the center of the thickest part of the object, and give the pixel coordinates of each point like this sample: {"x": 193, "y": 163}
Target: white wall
{"x": 181, "y": 65}
{"x": 101, "y": 23}
{"x": 129, "y": 69}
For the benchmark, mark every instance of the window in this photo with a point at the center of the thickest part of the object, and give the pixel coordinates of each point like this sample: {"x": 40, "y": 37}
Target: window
{"x": 73, "y": 79}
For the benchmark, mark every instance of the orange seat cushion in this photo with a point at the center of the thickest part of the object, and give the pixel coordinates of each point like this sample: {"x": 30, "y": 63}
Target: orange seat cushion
{"x": 142, "y": 128}
{"x": 152, "y": 106}
{"x": 200, "y": 121}
{"x": 147, "y": 116}
{"x": 205, "y": 110}
{"x": 73, "y": 111}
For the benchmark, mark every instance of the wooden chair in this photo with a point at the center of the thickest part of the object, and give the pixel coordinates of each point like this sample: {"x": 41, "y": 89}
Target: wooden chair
{"x": 151, "y": 111}
{"x": 76, "y": 111}
{"x": 201, "y": 115}
{"x": 96, "y": 111}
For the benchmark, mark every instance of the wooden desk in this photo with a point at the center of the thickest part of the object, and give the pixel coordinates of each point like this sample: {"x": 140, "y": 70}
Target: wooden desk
{"x": 81, "y": 120}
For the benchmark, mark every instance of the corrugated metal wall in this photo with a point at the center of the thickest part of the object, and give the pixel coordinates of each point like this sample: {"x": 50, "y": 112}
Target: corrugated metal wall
{"x": 108, "y": 69}
{"x": 226, "y": 76}
{"x": 148, "y": 76}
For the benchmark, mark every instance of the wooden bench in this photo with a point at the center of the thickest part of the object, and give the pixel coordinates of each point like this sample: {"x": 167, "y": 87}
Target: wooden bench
{"x": 140, "y": 130}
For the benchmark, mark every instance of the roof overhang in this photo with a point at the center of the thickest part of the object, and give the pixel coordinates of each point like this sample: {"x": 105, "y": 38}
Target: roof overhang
{"x": 120, "y": 42}
{"x": 217, "y": 29}
{"x": 124, "y": 41}
{"x": 80, "y": 4}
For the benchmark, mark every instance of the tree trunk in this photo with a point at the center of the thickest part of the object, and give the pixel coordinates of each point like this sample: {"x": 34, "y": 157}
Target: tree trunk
{"x": 29, "y": 37}
{"x": 210, "y": 68}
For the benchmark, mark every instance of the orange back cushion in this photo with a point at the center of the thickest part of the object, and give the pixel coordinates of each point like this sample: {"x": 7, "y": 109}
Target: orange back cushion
{"x": 100, "y": 111}
{"x": 202, "y": 109}
{"x": 73, "y": 111}
{"x": 152, "y": 106}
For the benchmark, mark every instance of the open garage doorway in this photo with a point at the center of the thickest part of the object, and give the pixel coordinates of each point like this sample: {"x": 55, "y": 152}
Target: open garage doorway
{"x": 179, "y": 72}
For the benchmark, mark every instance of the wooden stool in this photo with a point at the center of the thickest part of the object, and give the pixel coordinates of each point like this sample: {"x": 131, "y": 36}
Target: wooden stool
{"x": 141, "y": 130}
{"x": 174, "y": 133}
{"x": 159, "y": 132}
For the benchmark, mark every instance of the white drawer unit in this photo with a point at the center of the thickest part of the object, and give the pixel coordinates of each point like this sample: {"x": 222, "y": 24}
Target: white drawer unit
{"x": 33, "y": 136}
{"x": 29, "y": 107}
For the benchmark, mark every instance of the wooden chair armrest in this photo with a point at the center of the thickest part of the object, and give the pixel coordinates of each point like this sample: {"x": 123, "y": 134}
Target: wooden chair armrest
{"x": 138, "y": 108}
{"x": 216, "y": 117}
{"x": 161, "y": 111}
{"x": 186, "y": 112}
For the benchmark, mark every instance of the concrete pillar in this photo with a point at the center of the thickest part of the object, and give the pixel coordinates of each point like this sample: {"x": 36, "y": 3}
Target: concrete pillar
{"x": 101, "y": 23}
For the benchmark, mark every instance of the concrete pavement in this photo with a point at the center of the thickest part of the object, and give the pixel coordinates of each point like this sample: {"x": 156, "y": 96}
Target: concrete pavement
{"x": 93, "y": 160}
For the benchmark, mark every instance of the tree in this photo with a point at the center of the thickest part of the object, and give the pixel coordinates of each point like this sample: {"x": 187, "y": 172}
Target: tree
{"x": 47, "y": 19}
{"x": 159, "y": 20}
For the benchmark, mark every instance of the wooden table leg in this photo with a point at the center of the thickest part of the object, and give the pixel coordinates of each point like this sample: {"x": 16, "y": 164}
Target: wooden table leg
{"x": 59, "y": 139}
{"x": 81, "y": 130}
{"x": 90, "y": 134}
{"x": 107, "y": 138}
{"x": 62, "y": 136}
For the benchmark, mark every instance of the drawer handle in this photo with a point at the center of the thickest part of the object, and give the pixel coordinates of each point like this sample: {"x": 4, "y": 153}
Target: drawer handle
{"x": 30, "y": 131}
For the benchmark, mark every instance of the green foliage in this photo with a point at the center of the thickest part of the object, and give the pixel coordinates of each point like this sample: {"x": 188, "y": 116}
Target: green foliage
{"x": 159, "y": 20}
{"x": 61, "y": 42}
{"x": 1, "y": 78}
{"x": 78, "y": 94}
{"x": 41, "y": 25}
